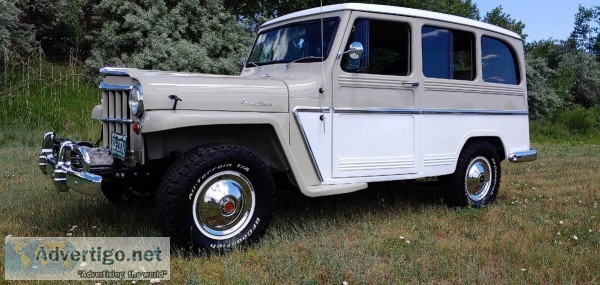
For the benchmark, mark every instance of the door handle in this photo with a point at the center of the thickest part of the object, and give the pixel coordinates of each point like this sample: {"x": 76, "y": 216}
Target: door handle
{"x": 410, "y": 83}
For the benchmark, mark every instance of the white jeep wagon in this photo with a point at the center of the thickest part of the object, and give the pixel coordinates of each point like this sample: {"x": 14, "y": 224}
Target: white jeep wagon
{"x": 330, "y": 99}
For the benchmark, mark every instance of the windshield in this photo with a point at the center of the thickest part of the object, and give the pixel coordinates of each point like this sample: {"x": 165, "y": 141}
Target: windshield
{"x": 298, "y": 41}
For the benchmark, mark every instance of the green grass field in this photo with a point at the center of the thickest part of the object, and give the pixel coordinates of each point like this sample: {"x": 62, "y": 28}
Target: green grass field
{"x": 543, "y": 229}
{"x": 390, "y": 233}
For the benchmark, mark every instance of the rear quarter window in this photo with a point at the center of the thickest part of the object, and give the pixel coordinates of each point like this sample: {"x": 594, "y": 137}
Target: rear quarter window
{"x": 498, "y": 62}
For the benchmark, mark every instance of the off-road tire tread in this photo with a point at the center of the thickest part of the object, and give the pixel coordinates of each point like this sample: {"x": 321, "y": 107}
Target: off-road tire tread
{"x": 182, "y": 175}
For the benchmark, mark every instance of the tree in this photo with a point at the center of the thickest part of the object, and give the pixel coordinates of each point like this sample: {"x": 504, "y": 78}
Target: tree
{"x": 188, "y": 35}
{"x": 585, "y": 33}
{"x": 586, "y": 90}
{"x": 62, "y": 27}
{"x": 550, "y": 49}
{"x": 499, "y": 18}
{"x": 542, "y": 99}
{"x": 16, "y": 38}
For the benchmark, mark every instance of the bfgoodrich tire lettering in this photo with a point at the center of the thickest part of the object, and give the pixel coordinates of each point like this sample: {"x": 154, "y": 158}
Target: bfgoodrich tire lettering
{"x": 476, "y": 180}
{"x": 215, "y": 197}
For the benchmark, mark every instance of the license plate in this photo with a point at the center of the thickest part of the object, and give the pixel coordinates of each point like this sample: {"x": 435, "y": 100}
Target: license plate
{"x": 118, "y": 145}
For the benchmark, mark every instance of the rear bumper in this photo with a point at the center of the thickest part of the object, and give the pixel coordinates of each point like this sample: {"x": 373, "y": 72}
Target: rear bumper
{"x": 523, "y": 156}
{"x": 56, "y": 160}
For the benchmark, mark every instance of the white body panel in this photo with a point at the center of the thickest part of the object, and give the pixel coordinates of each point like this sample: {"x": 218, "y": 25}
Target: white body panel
{"x": 373, "y": 145}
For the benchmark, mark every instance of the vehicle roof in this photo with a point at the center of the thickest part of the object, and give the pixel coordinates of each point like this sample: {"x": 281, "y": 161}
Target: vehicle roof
{"x": 395, "y": 11}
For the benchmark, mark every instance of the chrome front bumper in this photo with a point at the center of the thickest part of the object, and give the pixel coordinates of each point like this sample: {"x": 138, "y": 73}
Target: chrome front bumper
{"x": 523, "y": 156}
{"x": 56, "y": 162}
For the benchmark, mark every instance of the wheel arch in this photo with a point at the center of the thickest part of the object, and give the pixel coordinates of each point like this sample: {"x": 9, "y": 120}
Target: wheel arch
{"x": 261, "y": 139}
{"x": 494, "y": 140}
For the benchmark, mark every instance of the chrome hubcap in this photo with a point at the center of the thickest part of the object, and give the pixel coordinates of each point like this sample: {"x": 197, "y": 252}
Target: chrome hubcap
{"x": 223, "y": 205}
{"x": 478, "y": 179}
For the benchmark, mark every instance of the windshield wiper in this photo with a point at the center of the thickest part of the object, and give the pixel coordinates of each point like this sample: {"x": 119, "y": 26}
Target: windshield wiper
{"x": 302, "y": 59}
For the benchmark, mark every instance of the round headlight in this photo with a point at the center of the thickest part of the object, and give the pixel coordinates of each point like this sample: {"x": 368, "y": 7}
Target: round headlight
{"x": 136, "y": 101}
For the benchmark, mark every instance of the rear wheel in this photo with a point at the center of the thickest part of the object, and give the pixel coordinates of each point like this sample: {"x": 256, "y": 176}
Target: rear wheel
{"x": 476, "y": 180}
{"x": 215, "y": 197}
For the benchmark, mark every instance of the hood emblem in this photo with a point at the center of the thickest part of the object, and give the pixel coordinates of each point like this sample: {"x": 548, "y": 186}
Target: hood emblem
{"x": 255, "y": 103}
{"x": 175, "y": 99}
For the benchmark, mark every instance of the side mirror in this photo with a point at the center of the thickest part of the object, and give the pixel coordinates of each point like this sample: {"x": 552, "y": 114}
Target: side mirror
{"x": 355, "y": 51}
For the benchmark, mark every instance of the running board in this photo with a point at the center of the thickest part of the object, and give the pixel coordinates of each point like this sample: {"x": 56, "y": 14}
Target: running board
{"x": 324, "y": 190}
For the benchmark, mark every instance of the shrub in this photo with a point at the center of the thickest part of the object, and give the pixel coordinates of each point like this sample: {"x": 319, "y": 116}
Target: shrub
{"x": 16, "y": 39}
{"x": 187, "y": 35}
{"x": 579, "y": 120}
{"x": 542, "y": 99}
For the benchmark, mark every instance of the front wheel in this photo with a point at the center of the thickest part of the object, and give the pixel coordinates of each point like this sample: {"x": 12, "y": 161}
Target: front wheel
{"x": 476, "y": 180}
{"x": 215, "y": 197}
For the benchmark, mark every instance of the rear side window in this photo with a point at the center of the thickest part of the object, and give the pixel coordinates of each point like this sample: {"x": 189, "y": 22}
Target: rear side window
{"x": 498, "y": 62}
{"x": 386, "y": 48}
{"x": 448, "y": 53}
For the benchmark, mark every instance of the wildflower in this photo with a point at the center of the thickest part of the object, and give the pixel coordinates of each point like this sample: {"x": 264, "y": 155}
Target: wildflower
{"x": 523, "y": 269}
{"x": 345, "y": 282}
{"x": 401, "y": 237}
{"x": 561, "y": 222}
{"x": 575, "y": 237}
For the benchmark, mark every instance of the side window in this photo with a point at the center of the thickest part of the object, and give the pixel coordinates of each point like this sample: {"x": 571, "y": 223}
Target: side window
{"x": 448, "y": 53}
{"x": 386, "y": 48}
{"x": 498, "y": 62}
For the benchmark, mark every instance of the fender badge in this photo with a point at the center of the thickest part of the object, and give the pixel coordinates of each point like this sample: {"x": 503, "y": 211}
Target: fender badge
{"x": 255, "y": 103}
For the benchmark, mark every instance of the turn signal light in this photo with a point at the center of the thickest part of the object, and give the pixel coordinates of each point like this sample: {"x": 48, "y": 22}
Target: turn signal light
{"x": 136, "y": 127}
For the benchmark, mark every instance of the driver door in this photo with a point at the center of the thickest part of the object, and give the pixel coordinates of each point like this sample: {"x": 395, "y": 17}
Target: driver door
{"x": 374, "y": 97}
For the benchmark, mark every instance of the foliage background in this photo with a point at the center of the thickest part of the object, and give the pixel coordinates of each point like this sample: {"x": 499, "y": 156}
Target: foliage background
{"x": 543, "y": 229}
{"x": 214, "y": 36}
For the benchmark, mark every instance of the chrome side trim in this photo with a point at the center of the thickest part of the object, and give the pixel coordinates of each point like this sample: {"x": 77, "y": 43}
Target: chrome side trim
{"x": 112, "y": 72}
{"x": 473, "y": 112}
{"x": 104, "y": 86}
{"x": 377, "y": 110}
{"x": 117, "y": 120}
{"x": 429, "y": 111}
{"x": 523, "y": 156}
{"x": 305, "y": 138}
{"x": 311, "y": 109}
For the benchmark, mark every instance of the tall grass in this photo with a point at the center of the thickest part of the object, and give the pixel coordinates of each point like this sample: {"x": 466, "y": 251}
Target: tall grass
{"x": 37, "y": 95}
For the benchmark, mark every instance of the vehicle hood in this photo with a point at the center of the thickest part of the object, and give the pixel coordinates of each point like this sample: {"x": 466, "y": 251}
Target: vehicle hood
{"x": 202, "y": 91}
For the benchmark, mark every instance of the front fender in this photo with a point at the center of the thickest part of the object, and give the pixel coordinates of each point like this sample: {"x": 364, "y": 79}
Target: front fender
{"x": 161, "y": 120}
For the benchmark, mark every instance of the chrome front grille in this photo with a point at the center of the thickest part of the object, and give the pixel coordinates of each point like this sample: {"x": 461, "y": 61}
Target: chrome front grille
{"x": 116, "y": 117}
